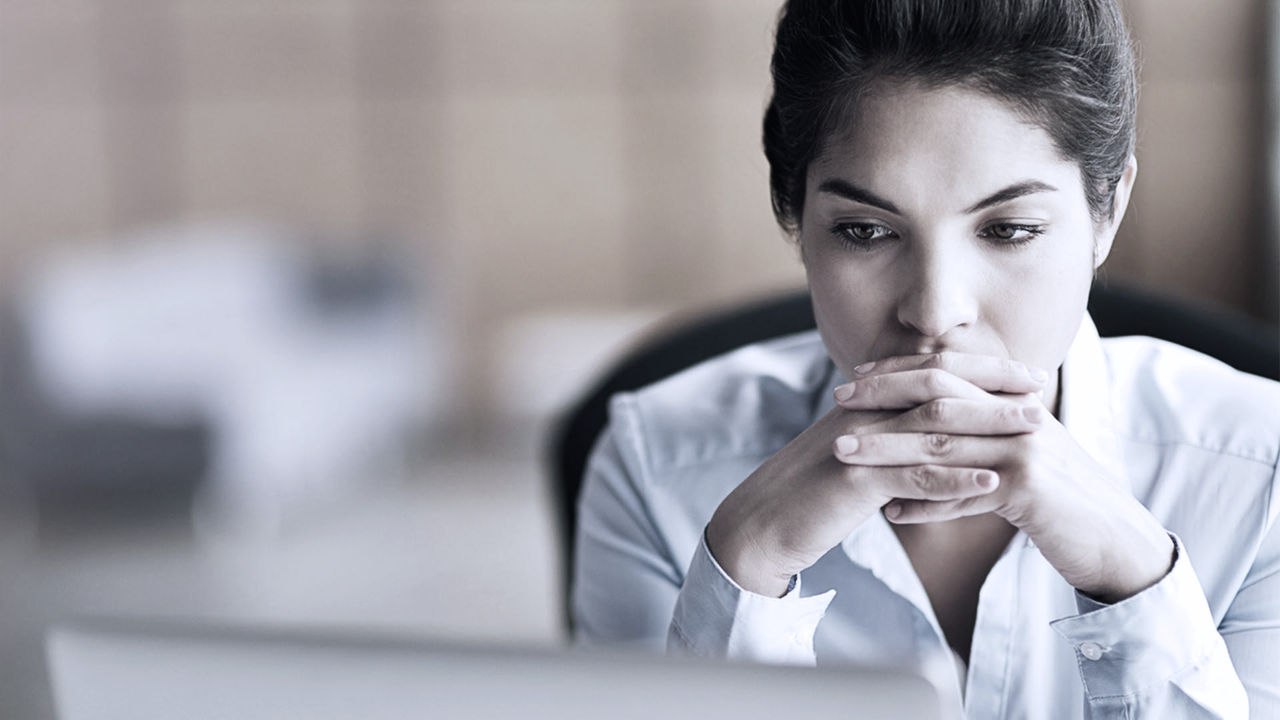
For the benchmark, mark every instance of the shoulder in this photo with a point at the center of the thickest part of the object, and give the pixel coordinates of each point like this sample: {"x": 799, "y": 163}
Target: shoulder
{"x": 1168, "y": 394}
{"x": 748, "y": 402}
{"x": 1202, "y": 443}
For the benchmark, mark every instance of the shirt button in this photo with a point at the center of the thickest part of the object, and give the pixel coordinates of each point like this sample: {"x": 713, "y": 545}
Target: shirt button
{"x": 1091, "y": 650}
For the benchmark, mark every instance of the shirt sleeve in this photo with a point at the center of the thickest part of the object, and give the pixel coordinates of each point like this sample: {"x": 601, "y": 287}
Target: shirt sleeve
{"x": 1158, "y": 654}
{"x": 715, "y": 617}
{"x": 628, "y": 589}
{"x": 1251, "y": 627}
{"x": 624, "y": 581}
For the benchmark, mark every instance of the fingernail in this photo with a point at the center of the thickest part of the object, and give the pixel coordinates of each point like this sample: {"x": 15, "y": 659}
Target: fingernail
{"x": 844, "y": 392}
{"x": 987, "y": 479}
{"x": 892, "y": 510}
{"x": 1038, "y": 375}
{"x": 864, "y": 368}
{"x": 1032, "y": 414}
{"x": 847, "y": 444}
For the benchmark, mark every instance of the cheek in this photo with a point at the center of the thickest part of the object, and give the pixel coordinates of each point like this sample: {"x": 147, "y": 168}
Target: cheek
{"x": 850, "y": 309}
{"x": 1039, "y": 310}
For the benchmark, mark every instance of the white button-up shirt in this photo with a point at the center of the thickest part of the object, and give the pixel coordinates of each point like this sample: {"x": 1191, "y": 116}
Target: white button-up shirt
{"x": 1197, "y": 442}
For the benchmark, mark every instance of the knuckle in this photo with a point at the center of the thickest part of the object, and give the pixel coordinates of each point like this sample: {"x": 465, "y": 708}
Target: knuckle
{"x": 938, "y": 444}
{"x": 922, "y": 478}
{"x": 870, "y": 387}
{"x": 935, "y": 411}
{"x": 1010, "y": 415}
{"x": 935, "y": 381}
{"x": 936, "y": 360}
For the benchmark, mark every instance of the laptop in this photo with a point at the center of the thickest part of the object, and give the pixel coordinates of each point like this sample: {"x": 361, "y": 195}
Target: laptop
{"x": 144, "y": 670}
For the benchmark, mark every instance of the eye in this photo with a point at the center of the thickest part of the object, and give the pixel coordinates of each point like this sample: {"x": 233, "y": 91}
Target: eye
{"x": 1011, "y": 233}
{"x": 862, "y": 235}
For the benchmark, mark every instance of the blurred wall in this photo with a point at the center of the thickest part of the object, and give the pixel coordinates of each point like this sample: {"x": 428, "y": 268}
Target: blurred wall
{"x": 536, "y": 154}
{"x": 1197, "y": 225}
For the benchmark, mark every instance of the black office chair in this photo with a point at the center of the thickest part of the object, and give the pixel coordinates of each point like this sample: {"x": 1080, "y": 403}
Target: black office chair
{"x": 1237, "y": 340}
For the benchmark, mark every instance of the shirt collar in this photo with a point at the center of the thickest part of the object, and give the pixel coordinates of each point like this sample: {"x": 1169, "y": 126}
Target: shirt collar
{"x": 1085, "y": 406}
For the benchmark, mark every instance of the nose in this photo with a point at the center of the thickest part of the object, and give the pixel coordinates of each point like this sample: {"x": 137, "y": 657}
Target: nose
{"x": 939, "y": 290}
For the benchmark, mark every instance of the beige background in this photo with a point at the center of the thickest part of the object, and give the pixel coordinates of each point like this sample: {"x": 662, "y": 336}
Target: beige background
{"x": 537, "y": 155}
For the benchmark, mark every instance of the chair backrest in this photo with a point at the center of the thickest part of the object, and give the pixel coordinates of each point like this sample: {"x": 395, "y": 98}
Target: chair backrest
{"x": 1235, "y": 339}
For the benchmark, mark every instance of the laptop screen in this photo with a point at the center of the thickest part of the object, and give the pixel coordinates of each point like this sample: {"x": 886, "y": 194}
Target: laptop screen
{"x": 144, "y": 671}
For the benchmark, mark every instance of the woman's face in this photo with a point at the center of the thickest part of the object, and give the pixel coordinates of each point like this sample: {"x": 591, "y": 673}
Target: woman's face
{"x": 940, "y": 220}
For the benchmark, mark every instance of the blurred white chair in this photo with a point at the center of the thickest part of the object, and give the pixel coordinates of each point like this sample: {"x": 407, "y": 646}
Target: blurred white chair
{"x": 303, "y": 374}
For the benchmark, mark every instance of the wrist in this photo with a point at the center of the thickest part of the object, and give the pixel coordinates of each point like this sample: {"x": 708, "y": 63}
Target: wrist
{"x": 1141, "y": 566}
{"x": 740, "y": 559}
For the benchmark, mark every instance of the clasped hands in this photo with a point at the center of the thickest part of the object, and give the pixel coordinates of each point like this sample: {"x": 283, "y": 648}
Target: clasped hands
{"x": 929, "y": 438}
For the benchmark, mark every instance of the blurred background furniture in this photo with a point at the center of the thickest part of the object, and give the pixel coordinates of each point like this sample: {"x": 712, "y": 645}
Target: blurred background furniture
{"x": 234, "y": 359}
{"x": 1233, "y": 338}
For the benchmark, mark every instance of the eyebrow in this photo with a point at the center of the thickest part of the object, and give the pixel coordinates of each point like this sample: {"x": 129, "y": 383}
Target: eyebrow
{"x": 1013, "y": 192}
{"x": 849, "y": 191}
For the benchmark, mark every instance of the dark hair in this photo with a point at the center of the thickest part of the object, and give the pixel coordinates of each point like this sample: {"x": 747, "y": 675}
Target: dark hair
{"x": 1067, "y": 65}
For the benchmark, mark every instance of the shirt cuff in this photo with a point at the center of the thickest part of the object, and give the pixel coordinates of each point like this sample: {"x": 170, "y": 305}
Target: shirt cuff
{"x": 714, "y": 617}
{"x": 1144, "y": 640}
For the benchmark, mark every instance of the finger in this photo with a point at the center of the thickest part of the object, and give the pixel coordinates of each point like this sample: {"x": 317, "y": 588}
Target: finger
{"x": 924, "y": 482}
{"x": 883, "y": 449}
{"x": 911, "y": 512}
{"x": 958, "y": 416}
{"x": 854, "y": 419}
{"x": 1022, "y": 398}
{"x": 994, "y": 374}
{"x": 904, "y": 390}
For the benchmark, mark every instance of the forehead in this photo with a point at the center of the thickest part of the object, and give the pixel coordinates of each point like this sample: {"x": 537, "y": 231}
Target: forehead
{"x": 951, "y": 139}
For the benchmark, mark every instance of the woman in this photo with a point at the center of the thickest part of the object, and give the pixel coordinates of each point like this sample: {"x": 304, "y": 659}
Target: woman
{"x": 954, "y": 467}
